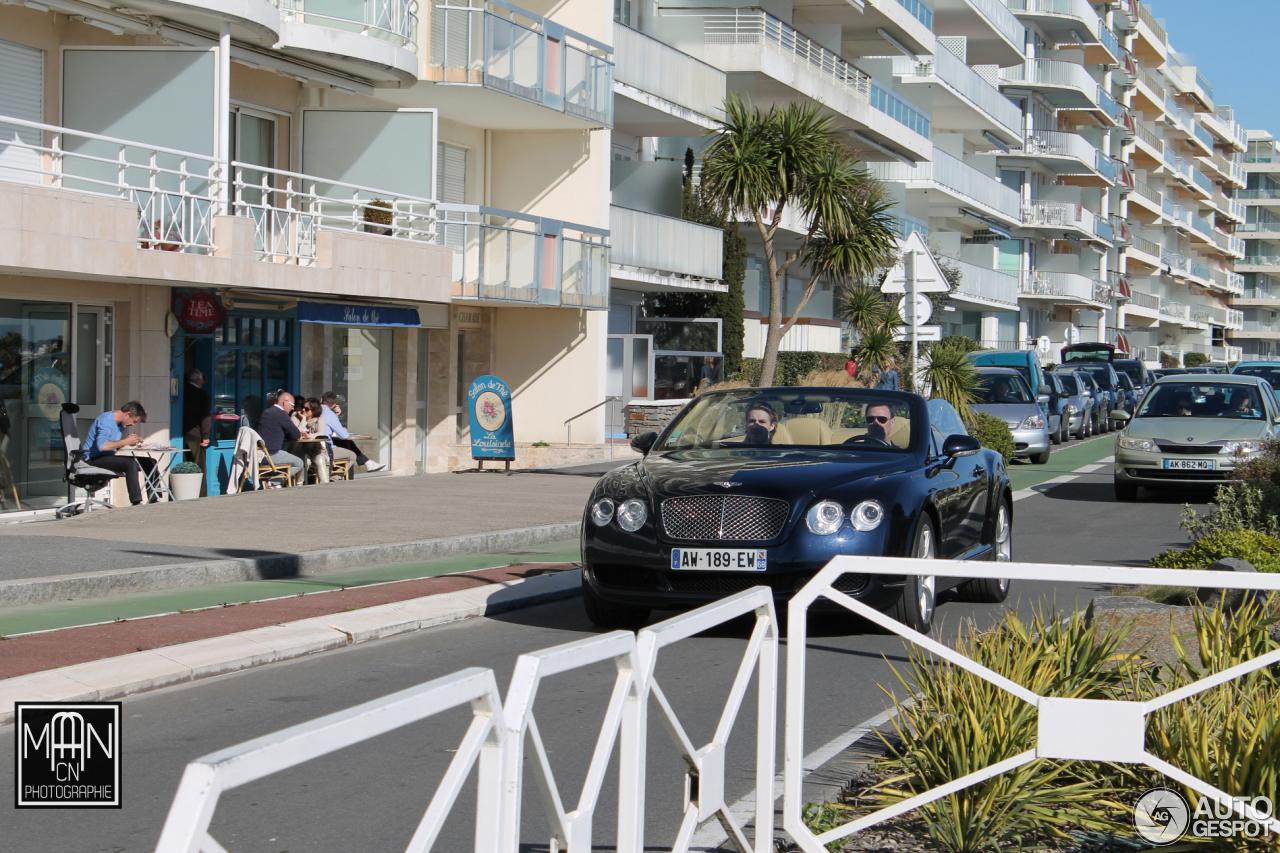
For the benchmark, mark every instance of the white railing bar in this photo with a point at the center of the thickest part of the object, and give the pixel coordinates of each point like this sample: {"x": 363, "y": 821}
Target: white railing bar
{"x": 1242, "y": 809}
{"x": 392, "y": 194}
{"x": 1210, "y": 682}
{"x": 695, "y": 622}
{"x": 740, "y": 683}
{"x": 672, "y": 724}
{"x": 546, "y": 779}
{"x": 450, "y": 786}
{"x": 132, "y": 143}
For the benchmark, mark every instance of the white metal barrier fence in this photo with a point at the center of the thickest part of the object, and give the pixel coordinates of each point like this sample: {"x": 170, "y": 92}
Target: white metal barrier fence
{"x": 500, "y": 732}
{"x": 1069, "y": 729}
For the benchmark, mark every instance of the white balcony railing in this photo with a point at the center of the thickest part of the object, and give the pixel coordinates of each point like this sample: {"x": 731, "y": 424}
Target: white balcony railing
{"x": 1064, "y": 285}
{"x": 505, "y": 256}
{"x": 1175, "y": 311}
{"x": 665, "y": 245}
{"x": 504, "y": 47}
{"x": 1078, "y": 9}
{"x": 1058, "y": 143}
{"x": 395, "y": 21}
{"x": 985, "y": 284}
{"x": 1057, "y": 214}
{"x": 957, "y": 177}
{"x": 288, "y": 209}
{"x": 1145, "y": 300}
{"x": 746, "y": 26}
{"x": 1054, "y": 73}
{"x": 176, "y": 192}
{"x": 659, "y": 69}
{"x": 1002, "y": 20}
{"x": 960, "y": 78}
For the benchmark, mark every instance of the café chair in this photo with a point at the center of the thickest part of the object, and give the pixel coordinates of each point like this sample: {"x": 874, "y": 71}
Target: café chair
{"x": 77, "y": 472}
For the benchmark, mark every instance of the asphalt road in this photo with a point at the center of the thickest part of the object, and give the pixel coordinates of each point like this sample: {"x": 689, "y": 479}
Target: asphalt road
{"x": 370, "y": 797}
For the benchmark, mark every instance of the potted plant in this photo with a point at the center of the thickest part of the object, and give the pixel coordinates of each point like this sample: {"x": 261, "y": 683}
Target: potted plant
{"x": 185, "y": 480}
{"x": 377, "y": 216}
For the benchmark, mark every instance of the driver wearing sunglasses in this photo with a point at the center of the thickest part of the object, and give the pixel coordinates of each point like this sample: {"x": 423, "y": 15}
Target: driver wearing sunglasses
{"x": 879, "y": 421}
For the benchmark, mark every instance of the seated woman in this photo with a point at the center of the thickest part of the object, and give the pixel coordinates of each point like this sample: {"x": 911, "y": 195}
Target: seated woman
{"x": 1242, "y": 406}
{"x": 315, "y": 454}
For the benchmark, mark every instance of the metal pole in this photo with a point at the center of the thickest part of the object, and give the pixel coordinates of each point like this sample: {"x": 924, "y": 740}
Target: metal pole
{"x": 909, "y": 267}
{"x": 224, "y": 116}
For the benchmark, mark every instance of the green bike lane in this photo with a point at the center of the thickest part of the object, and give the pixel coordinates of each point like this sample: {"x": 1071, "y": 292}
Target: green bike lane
{"x": 1063, "y": 462}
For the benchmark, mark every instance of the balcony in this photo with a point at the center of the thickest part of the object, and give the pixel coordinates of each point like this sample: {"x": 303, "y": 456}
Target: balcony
{"x": 1064, "y": 84}
{"x": 377, "y": 38}
{"x": 1153, "y": 41}
{"x": 1262, "y": 329}
{"x": 1260, "y": 197}
{"x": 1260, "y": 263}
{"x": 1066, "y": 153}
{"x": 1150, "y": 200}
{"x": 789, "y": 66}
{"x": 904, "y": 226}
{"x": 967, "y": 186}
{"x": 1064, "y": 288}
{"x": 994, "y": 35}
{"x": 502, "y": 256}
{"x": 662, "y": 253}
{"x": 662, "y": 91}
{"x": 123, "y": 210}
{"x": 1059, "y": 19}
{"x": 954, "y": 94}
{"x": 565, "y": 77}
{"x": 1062, "y": 215}
{"x": 1175, "y": 312}
{"x": 985, "y": 289}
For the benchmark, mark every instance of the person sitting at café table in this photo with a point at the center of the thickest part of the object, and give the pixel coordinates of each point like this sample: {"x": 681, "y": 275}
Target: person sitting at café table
{"x": 332, "y": 405}
{"x": 309, "y": 419}
{"x": 275, "y": 426}
{"x": 106, "y": 436}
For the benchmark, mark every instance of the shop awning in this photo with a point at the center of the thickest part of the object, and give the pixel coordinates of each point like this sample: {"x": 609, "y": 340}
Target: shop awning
{"x": 357, "y": 315}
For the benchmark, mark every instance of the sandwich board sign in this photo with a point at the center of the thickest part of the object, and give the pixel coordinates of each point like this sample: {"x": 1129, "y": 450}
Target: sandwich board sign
{"x": 489, "y": 408}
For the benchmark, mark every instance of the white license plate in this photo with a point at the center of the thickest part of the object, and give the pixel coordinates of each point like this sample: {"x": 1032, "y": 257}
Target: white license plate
{"x": 1188, "y": 464}
{"x": 719, "y": 559}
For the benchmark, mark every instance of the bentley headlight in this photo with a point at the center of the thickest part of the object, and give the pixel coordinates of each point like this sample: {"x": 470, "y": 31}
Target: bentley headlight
{"x": 1033, "y": 422}
{"x": 632, "y": 515}
{"x": 1144, "y": 444}
{"x": 602, "y": 512}
{"x": 825, "y": 518}
{"x": 1231, "y": 448}
{"x": 866, "y": 516}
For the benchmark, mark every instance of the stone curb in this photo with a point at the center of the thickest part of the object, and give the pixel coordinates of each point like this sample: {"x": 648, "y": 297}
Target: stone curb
{"x": 120, "y": 676}
{"x": 177, "y": 575}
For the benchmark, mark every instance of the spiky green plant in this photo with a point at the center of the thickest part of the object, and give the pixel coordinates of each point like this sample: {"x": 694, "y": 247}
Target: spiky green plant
{"x": 959, "y": 723}
{"x": 952, "y": 377}
{"x": 758, "y": 165}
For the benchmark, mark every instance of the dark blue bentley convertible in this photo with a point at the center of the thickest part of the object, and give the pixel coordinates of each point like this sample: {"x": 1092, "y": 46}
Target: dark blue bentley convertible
{"x": 760, "y": 486}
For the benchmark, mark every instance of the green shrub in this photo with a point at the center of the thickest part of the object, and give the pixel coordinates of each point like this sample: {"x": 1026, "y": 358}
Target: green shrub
{"x": 992, "y": 433}
{"x": 1261, "y": 550}
{"x": 1195, "y": 359}
{"x": 1167, "y": 360}
{"x": 792, "y": 366}
{"x": 951, "y": 377}
{"x": 186, "y": 468}
{"x": 964, "y": 343}
{"x": 1250, "y": 502}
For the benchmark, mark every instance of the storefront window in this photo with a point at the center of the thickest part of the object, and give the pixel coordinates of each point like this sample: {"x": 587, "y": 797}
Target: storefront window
{"x": 252, "y": 357}
{"x": 50, "y": 353}
{"x": 361, "y": 372}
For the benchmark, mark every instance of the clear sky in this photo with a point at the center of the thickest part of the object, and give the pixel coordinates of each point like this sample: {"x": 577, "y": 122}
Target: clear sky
{"x": 1233, "y": 43}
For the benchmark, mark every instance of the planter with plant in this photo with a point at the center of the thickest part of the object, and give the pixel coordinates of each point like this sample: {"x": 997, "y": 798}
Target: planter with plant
{"x": 185, "y": 480}
{"x": 378, "y": 216}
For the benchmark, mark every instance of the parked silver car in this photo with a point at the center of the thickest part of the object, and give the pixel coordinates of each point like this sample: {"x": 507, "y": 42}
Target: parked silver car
{"x": 1078, "y": 404}
{"x": 1003, "y": 393}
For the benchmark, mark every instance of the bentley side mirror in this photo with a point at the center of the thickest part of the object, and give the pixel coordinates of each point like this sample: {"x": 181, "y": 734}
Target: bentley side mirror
{"x": 642, "y": 442}
{"x": 960, "y": 445}
{"x": 1119, "y": 415}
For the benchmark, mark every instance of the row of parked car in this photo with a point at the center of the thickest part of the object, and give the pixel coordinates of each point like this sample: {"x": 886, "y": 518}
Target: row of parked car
{"x": 1076, "y": 399}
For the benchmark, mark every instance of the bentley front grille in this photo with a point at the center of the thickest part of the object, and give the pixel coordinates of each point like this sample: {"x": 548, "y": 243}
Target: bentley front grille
{"x": 738, "y": 517}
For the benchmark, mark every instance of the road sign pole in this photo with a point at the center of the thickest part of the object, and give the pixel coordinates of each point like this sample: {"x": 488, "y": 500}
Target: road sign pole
{"x": 909, "y": 268}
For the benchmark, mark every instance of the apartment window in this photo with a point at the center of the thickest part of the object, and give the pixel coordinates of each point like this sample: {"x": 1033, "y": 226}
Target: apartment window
{"x": 253, "y": 143}
{"x": 451, "y": 188}
{"x": 622, "y": 11}
{"x": 21, "y": 96}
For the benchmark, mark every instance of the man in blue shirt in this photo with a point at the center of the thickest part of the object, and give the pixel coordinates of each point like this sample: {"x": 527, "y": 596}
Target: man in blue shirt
{"x": 106, "y": 436}
{"x": 343, "y": 446}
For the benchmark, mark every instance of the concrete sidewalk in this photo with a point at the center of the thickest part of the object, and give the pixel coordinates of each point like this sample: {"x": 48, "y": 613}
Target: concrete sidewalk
{"x": 289, "y": 522}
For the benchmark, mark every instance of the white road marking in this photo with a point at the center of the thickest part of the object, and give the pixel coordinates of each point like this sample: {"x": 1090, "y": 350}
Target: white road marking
{"x": 712, "y": 835}
{"x": 1041, "y": 488}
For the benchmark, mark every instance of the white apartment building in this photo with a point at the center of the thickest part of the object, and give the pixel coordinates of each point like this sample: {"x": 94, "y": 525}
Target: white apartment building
{"x": 1260, "y": 303}
{"x": 377, "y": 198}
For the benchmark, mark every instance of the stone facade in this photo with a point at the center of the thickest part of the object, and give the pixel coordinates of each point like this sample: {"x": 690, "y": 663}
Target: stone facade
{"x": 652, "y": 416}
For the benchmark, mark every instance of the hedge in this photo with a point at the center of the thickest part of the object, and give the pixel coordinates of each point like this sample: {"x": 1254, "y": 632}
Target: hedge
{"x": 792, "y": 366}
{"x": 1261, "y": 550}
{"x": 993, "y": 434}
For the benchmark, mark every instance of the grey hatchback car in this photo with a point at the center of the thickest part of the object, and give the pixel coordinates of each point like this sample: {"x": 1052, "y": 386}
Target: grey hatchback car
{"x": 1003, "y": 393}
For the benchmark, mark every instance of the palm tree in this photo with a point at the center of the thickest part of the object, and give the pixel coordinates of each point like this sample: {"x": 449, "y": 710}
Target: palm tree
{"x": 759, "y": 164}
{"x": 952, "y": 377}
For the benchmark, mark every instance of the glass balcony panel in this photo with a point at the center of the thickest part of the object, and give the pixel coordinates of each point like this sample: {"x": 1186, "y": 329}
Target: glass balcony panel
{"x": 395, "y": 21}
{"x": 920, "y": 11}
{"x": 665, "y": 244}
{"x": 588, "y": 85}
{"x": 656, "y": 68}
{"x": 958, "y": 177}
{"x": 898, "y": 109}
{"x": 948, "y": 68}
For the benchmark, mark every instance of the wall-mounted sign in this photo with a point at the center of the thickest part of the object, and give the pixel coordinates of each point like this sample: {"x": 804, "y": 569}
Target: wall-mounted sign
{"x": 357, "y": 315}
{"x": 199, "y": 312}
{"x": 467, "y": 318}
{"x": 49, "y": 386}
{"x": 489, "y": 407}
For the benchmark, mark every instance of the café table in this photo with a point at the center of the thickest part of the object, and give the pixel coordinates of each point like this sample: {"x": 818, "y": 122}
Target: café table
{"x": 157, "y": 479}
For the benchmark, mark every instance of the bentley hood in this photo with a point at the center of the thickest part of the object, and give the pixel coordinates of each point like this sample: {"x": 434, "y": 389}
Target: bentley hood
{"x": 780, "y": 472}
